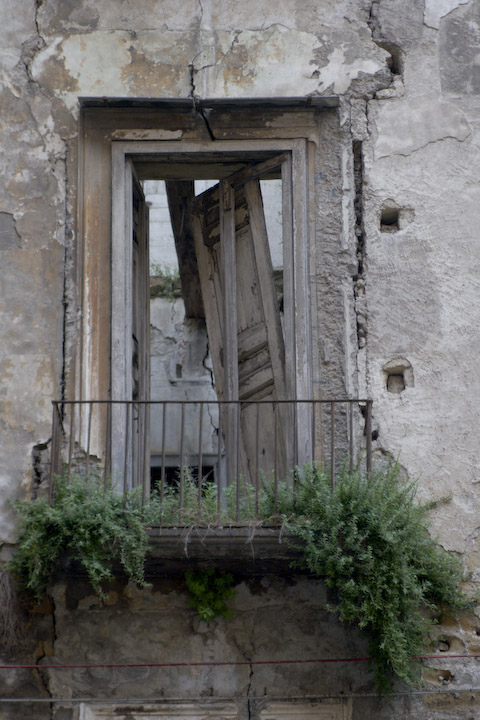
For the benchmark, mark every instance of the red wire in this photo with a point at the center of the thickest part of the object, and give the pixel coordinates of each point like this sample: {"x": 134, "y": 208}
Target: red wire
{"x": 217, "y": 664}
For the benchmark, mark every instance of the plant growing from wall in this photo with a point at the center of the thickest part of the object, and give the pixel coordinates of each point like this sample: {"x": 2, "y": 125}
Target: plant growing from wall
{"x": 209, "y": 591}
{"x": 368, "y": 539}
{"x": 93, "y": 525}
{"x": 167, "y": 283}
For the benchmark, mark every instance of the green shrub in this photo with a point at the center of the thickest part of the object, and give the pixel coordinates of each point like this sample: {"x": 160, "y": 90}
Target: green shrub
{"x": 93, "y": 524}
{"x": 368, "y": 540}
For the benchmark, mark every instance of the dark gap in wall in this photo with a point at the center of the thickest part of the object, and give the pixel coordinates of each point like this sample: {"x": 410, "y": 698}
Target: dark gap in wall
{"x": 395, "y": 383}
{"x": 398, "y": 375}
{"x": 389, "y": 219}
{"x": 395, "y": 61}
{"x": 40, "y": 465}
{"x": 358, "y": 278}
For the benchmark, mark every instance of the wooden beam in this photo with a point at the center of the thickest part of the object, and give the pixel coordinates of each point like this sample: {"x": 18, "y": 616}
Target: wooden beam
{"x": 180, "y": 194}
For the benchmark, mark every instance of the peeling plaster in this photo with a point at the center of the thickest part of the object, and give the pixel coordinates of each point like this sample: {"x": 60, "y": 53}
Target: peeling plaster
{"x": 114, "y": 64}
{"x": 265, "y": 63}
{"x": 9, "y": 237}
{"x": 338, "y": 74}
{"x": 435, "y": 10}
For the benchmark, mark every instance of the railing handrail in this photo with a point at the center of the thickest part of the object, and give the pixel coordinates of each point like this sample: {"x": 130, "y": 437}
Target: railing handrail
{"x": 213, "y": 402}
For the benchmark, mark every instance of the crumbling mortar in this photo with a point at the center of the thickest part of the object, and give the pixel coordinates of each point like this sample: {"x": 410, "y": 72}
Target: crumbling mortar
{"x": 359, "y": 277}
{"x": 40, "y": 466}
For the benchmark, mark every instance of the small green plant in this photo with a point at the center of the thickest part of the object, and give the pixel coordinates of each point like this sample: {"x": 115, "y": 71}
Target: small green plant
{"x": 209, "y": 591}
{"x": 168, "y": 282}
{"x": 368, "y": 540}
{"x": 94, "y": 525}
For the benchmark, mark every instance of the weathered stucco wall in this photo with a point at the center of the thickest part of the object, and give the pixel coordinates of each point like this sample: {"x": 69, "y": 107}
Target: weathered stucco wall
{"x": 397, "y": 294}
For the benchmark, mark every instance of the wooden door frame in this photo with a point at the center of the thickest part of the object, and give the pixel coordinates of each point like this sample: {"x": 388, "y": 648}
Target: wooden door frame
{"x": 295, "y": 172}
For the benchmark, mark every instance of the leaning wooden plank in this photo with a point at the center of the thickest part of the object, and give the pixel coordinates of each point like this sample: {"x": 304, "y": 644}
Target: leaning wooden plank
{"x": 180, "y": 194}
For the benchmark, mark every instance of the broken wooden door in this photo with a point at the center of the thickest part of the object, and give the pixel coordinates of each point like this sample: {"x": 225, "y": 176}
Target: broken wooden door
{"x": 243, "y": 324}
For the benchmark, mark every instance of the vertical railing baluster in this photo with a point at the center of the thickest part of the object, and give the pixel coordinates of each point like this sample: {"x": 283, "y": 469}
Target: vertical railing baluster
{"x": 162, "y": 473}
{"x": 275, "y": 443}
{"x": 89, "y": 430}
{"x": 145, "y": 465}
{"x": 219, "y": 462}
{"x": 312, "y": 413}
{"x": 237, "y": 450}
{"x": 350, "y": 437}
{"x": 53, "y": 451}
{"x": 127, "y": 450}
{"x": 257, "y": 457}
{"x": 295, "y": 433}
{"x": 71, "y": 440}
{"x": 200, "y": 460}
{"x": 135, "y": 456}
{"x": 182, "y": 439}
{"x": 295, "y": 456}
{"x": 332, "y": 443}
{"x": 108, "y": 448}
{"x": 368, "y": 431}
{"x": 321, "y": 430}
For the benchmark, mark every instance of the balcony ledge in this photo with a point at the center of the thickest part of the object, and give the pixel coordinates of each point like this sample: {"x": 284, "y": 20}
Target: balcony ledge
{"x": 243, "y": 550}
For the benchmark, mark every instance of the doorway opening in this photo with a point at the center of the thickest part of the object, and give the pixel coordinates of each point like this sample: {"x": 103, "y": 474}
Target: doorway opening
{"x": 186, "y": 348}
{"x": 215, "y": 320}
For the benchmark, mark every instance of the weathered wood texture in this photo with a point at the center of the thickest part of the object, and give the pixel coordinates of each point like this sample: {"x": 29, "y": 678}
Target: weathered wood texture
{"x": 243, "y": 319}
{"x": 180, "y": 195}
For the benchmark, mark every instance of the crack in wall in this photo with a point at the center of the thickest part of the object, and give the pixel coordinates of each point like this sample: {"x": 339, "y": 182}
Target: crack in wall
{"x": 197, "y": 107}
{"x": 38, "y": 5}
{"x": 395, "y": 63}
{"x": 201, "y": 12}
{"x": 32, "y": 46}
{"x": 359, "y": 277}
{"x": 249, "y": 692}
{"x": 44, "y": 674}
{"x": 68, "y": 319}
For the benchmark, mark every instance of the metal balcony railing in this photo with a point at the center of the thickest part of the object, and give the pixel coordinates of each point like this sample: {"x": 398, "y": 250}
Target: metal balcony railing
{"x": 171, "y": 446}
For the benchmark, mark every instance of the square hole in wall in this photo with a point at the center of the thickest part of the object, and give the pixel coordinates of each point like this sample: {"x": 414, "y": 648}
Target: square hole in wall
{"x": 389, "y": 218}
